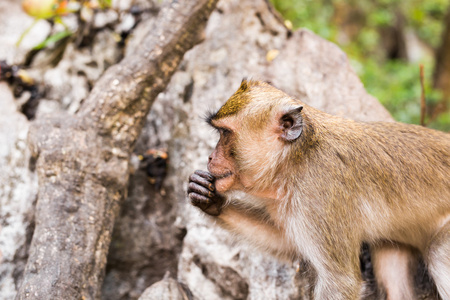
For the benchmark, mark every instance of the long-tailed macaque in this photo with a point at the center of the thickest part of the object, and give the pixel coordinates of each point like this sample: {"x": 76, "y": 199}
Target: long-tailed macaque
{"x": 317, "y": 186}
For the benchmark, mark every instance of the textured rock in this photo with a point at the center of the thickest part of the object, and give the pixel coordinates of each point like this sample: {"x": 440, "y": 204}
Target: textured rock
{"x": 17, "y": 194}
{"x": 166, "y": 289}
{"x": 18, "y": 183}
{"x": 69, "y": 83}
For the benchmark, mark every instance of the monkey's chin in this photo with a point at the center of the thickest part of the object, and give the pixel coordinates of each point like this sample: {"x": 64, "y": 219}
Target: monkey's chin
{"x": 224, "y": 182}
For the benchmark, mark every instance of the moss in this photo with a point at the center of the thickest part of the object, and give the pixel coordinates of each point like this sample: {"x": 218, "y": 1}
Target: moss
{"x": 236, "y": 102}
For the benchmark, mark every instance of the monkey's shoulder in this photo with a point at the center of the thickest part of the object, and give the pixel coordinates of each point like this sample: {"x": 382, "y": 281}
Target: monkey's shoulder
{"x": 373, "y": 140}
{"x": 396, "y": 131}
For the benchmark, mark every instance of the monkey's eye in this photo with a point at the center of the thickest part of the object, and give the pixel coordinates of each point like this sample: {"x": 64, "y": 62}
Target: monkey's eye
{"x": 224, "y": 132}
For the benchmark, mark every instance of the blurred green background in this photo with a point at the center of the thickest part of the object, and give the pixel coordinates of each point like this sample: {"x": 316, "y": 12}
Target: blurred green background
{"x": 386, "y": 41}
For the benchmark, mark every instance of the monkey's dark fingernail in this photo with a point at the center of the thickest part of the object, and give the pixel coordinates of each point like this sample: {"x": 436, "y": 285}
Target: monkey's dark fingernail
{"x": 197, "y": 199}
{"x": 211, "y": 187}
{"x": 199, "y": 189}
{"x": 200, "y": 180}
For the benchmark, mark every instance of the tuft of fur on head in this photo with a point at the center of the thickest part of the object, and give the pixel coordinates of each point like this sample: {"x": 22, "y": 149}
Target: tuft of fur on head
{"x": 239, "y": 100}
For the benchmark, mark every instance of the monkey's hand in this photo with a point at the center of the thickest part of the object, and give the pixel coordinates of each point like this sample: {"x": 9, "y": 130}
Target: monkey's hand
{"x": 203, "y": 194}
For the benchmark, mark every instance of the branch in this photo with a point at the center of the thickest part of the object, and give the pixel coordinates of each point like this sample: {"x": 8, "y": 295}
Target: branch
{"x": 82, "y": 160}
{"x": 422, "y": 97}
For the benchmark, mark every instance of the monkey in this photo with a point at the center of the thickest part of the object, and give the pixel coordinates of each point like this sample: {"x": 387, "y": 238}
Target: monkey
{"x": 297, "y": 182}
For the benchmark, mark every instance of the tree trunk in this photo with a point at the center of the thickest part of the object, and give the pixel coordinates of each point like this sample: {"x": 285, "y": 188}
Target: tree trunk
{"x": 83, "y": 160}
{"x": 442, "y": 69}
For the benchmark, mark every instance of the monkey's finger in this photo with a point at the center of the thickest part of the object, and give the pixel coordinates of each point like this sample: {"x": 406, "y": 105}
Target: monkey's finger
{"x": 198, "y": 200}
{"x": 205, "y": 174}
{"x": 202, "y": 181}
{"x": 199, "y": 189}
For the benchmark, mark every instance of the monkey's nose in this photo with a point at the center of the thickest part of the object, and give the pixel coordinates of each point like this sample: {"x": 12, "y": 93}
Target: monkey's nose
{"x": 209, "y": 158}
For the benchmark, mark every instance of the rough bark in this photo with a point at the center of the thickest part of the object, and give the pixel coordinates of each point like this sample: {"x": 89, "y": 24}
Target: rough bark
{"x": 82, "y": 161}
{"x": 442, "y": 69}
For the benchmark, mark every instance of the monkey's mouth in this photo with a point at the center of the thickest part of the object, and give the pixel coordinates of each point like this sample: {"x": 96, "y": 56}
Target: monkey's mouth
{"x": 224, "y": 181}
{"x": 222, "y": 176}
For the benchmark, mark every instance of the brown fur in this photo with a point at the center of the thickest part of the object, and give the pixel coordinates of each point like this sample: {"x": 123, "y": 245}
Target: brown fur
{"x": 320, "y": 189}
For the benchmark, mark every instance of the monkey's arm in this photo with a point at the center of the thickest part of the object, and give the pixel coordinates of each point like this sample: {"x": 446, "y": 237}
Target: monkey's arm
{"x": 257, "y": 230}
{"x": 252, "y": 224}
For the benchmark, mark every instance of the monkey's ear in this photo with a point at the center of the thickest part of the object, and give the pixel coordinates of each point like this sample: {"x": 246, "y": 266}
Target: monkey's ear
{"x": 291, "y": 124}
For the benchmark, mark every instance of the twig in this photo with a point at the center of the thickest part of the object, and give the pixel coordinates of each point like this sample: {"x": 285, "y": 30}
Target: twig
{"x": 422, "y": 98}
{"x": 22, "y": 36}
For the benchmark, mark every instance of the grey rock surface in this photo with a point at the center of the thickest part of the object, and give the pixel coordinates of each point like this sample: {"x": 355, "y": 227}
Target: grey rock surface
{"x": 18, "y": 183}
{"x": 166, "y": 289}
{"x": 13, "y": 23}
{"x": 18, "y": 189}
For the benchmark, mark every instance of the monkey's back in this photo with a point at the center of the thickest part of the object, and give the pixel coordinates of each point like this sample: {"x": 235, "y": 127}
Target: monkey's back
{"x": 412, "y": 157}
{"x": 390, "y": 174}
{"x": 420, "y": 172}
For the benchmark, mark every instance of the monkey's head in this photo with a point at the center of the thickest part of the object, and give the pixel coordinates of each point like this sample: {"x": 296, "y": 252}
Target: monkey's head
{"x": 259, "y": 126}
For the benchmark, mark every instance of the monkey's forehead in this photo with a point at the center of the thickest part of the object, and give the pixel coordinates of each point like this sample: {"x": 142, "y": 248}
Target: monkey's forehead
{"x": 234, "y": 105}
{"x": 242, "y": 97}
{"x": 236, "y": 102}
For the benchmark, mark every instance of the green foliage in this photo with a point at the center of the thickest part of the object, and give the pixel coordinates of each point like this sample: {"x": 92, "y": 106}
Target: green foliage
{"x": 54, "y": 10}
{"x": 396, "y": 83}
{"x": 426, "y": 19}
{"x": 310, "y": 14}
{"x": 442, "y": 122}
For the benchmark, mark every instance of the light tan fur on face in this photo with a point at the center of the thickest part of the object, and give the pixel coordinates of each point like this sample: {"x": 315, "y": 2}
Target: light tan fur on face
{"x": 337, "y": 185}
{"x": 219, "y": 165}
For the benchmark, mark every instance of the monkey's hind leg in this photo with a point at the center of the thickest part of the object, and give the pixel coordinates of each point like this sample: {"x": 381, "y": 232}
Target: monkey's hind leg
{"x": 438, "y": 259}
{"x": 394, "y": 266}
{"x": 338, "y": 279}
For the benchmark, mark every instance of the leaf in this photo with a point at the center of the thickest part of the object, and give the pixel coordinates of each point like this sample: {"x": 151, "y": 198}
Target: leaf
{"x": 53, "y": 39}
